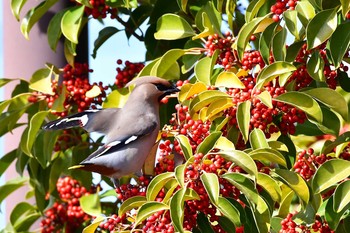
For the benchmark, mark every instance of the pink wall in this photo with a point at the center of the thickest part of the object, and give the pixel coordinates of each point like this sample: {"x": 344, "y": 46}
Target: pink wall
{"x": 21, "y": 59}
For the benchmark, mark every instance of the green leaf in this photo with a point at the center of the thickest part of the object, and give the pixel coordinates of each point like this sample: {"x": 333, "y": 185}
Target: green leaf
{"x": 131, "y": 203}
{"x": 262, "y": 216}
{"x": 205, "y": 98}
{"x": 332, "y": 217}
{"x": 58, "y": 166}
{"x": 266, "y": 98}
{"x": 117, "y": 98}
{"x": 34, "y": 15}
{"x": 183, "y": 5}
{"x": 245, "y": 185}
{"x": 148, "y": 209}
{"x": 286, "y": 201}
{"x": 185, "y": 145}
{"x": 257, "y": 139}
{"x": 72, "y": 22}
{"x": 91, "y": 204}
{"x": 270, "y": 186}
{"x": 321, "y": 27}
{"x": 291, "y": 19}
{"x": 93, "y": 226}
{"x": 293, "y": 50}
{"x": 180, "y": 173}
{"x": 272, "y": 71}
{"x": 243, "y": 118}
{"x": 173, "y": 27}
{"x": 41, "y": 81}
{"x": 341, "y": 197}
{"x": 204, "y": 69}
{"x": 253, "y": 9}
{"x": 166, "y": 63}
{"x": 315, "y": 67}
{"x": 305, "y": 12}
{"x": 345, "y": 5}
{"x": 34, "y": 126}
{"x": 330, "y": 173}
{"x": 177, "y": 209}
{"x": 4, "y": 81}
{"x": 229, "y": 210}
{"x": 103, "y": 36}
{"x": 266, "y": 40}
{"x": 16, "y": 7}
{"x": 241, "y": 159}
{"x": 229, "y": 80}
{"x": 203, "y": 224}
{"x": 295, "y": 182}
{"x": 329, "y": 146}
{"x": 330, "y": 123}
{"x": 156, "y": 184}
{"x": 211, "y": 185}
{"x": 188, "y": 90}
{"x": 11, "y": 186}
{"x": 304, "y": 102}
{"x": 244, "y": 35}
{"x": 208, "y": 27}
{"x": 6, "y": 160}
{"x": 279, "y": 45}
{"x": 69, "y": 51}
{"x": 218, "y": 107}
{"x": 23, "y": 216}
{"x": 212, "y": 19}
{"x": 54, "y": 31}
{"x": 339, "y": 43}
{"x": 267, "y": 154}
{"x": 189, "y": 59}
{"x": 208, "y": 143}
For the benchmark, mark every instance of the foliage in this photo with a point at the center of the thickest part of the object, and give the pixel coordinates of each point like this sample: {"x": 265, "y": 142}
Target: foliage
{"x": 258, "y": 141}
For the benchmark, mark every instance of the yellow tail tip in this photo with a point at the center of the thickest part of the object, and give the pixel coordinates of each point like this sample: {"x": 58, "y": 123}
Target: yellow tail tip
{"x": 76, "y": 167}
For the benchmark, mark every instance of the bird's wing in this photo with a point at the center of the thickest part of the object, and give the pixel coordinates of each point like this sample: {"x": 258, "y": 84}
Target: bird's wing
{"x": 119, "y": 143}
{"x": 90, "y": 120}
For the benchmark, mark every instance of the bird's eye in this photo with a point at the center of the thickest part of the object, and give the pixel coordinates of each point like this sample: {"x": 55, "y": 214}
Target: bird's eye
{"x": 161, "y": 87}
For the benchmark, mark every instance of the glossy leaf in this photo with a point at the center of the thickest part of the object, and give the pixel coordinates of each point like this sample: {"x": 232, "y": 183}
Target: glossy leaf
{"x": 306, "y": 12}
{"x": 345, "y": 5}
{"x": 321, "y": 27}
{"x": 16, "y": 7}
{"x": 204, "y": 225}
{"x": 257, "y": 139}
{"x": 304, "y": 102}
{"x": 166, "y": 63}
{"x": 156, "y": 184}
{"x": 207, "y": 25}
{"x": 148, "y": 209}
{"x": 10, "y": 186}
{"x": 41, "y": 81}
{"x": 93, "y": 226}
{"x": 241, "y": 159}
{"x": 328, "y": 147}
{"x": 291, "y": 19}
{"x": 315, "y": 67}
{"x": 205, "y": 98}
{"x": 244, "y": 35}
{"x": 93, "y": 92}
{"x": 295, "y": 182}
{"x": 267, "y": 154}
{"x": 229, "y": 80}
{"x": 204, "y": 69}
{"x": 270, "y": 186}
{"x": 279, "y": 45}
{"x": 285, "y": 203}
{"x": 330, "y": 173}
{"x": 4, "y": 81}
{"x": 339, "y": 43}
{"x": 188, "y": 90}
{"x": 6, "y": 160}
{"x": 341, "y": 197}
{"x": 172, "y": 27}
{"x": 229, "y": 210}
{"x": 272, "y": 71}
{"x": 266, "y": 40}
{"x": 90, "y": 204}
{"x": 224, "y": 144}
{"x": 54, "y": 31}
{"x": 185, "y": 145}
{"x": 72, "y": 22}
{"x": 245, "y": 185}
{"x": 265, "y": 98}
{"x": 177, "y": 209}
{"x": 211, "y": 185}
{"x": 131, "y": 203}
{"x": 243, "y": 118}
{"x": 208, "y": 143}
{"x": 23, "y": 216}
{"x": 293, "y": 50}
{"x": 218, "y": 107}
{"x": 253, "y": 9}
{"x": 33, "y": 16}
{"x": 180, "y": 174}
{"x": 103, "y": 36}
{"x": 333, "y": 218}
{"x": 262, "y": 216}
{"x": 117, "y": 98}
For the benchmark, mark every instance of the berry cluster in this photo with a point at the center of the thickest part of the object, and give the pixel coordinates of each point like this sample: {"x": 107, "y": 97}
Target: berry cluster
{"x": 126, "y": 191}
{"x": 307, "y": 163}
{"x": 290, "y": 226}
{"x": 226, "y": 57}
{"x": 99, "y": 9}
{"x": 74, "y": 86}
{"x": 251, "y": 59}
{"x": 113, "y": 222}
{"x": 159, "y": 222}
{"x": 68, "y": 138}
{"x": 66, "y": 213}
{"x": 281, "y": 6}
{"x": 127, "y": 73}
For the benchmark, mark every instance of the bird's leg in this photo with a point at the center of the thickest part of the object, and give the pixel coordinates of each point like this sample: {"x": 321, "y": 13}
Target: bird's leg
{"x": 115, "y": 182}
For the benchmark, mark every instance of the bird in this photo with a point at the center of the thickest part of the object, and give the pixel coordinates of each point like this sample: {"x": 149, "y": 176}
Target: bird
{"x": 130, "y": 131}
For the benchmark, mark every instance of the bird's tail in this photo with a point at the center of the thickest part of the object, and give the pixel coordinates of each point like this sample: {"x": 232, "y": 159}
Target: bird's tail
{"x": 78, "y": 119}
